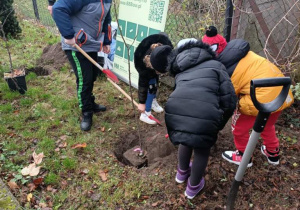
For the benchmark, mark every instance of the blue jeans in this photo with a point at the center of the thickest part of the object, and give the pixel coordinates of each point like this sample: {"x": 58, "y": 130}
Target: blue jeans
{"x": 151, "y": 94}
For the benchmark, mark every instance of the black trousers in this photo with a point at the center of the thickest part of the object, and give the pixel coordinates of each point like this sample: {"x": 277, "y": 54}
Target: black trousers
{"x": 86, "y": 74}
{"x": 199, "y": 163}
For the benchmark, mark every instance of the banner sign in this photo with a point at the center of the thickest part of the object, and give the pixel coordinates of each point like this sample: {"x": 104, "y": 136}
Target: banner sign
{"x": 137, "y": 20}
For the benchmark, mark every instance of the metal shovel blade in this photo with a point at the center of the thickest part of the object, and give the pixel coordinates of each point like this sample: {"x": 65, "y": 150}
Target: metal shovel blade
{"x": 110, "y": 75}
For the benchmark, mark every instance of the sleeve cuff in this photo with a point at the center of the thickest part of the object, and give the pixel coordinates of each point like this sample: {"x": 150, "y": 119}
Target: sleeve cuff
{"x": 51, "y": 3}
{"x": 69, "y": 37}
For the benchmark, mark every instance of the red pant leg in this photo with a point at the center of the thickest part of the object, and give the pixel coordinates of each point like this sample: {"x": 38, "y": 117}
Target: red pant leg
{"x": 269, "y": 134}
{"x": 241, "y": 125}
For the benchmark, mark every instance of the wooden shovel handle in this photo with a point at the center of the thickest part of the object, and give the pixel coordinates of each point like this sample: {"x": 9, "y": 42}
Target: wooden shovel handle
{"x": 122, "y": 91}
{"x": 88, "y": 57}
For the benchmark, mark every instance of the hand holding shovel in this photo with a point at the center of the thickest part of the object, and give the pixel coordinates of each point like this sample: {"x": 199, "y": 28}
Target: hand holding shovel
{"x": 107, "y": 72}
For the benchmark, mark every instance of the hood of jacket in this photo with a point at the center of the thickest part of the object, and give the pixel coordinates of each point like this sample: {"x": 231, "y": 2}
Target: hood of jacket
{"x": 188, "y": 56}
{"x": 142, "y": 49}
{"x": 233, "y": 53}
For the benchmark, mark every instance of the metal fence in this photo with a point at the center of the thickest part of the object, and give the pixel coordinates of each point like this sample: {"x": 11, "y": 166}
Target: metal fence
{"x": 271, "y": 27}
{"x": 36, "y": 9}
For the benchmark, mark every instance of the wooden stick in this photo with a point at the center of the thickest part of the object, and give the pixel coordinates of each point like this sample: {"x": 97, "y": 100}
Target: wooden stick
{"x": 88, "y": 57}
{"x": 122, "y": 91}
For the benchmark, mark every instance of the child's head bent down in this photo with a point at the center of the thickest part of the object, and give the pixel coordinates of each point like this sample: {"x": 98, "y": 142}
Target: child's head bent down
{"x": 159, "y": 58}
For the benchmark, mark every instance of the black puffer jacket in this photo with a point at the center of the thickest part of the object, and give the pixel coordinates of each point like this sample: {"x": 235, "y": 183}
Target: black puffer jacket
{"x": 203, "y": 99}
{"x": 145, "y": 74}
{"x": 233, "y": 53}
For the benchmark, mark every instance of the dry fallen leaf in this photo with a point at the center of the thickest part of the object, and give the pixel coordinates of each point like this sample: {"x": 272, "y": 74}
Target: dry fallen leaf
{"x": 31, "y": 170}
{"x": 31, "y": 187}
{"x": 103, "y": 129}
{"x": 63, "y": 184}
{"x": 103, "y": 175}
{"x": 12, "y": 185}
{"x": 154, "y": 204}
{"x": 64, "y": 137}
{"x": 16, "y": 111}
{"x": 62, "y": 145}
{"x": 37, "y": 158}
{"x": 38, "y": 181}
{"x": 49, "y": 188}
{"x": 29, "y": 197}
{"x": 83, "y": 145}
{"x": 42, "y": 205}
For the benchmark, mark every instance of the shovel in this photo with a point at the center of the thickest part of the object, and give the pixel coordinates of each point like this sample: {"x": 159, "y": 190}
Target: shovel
{"x": 264, "y": 111}
{"x": 134, "y": 102}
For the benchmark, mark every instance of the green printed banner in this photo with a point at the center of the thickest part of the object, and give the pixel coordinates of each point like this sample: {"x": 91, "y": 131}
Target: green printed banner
{"x": 137, "y": 20}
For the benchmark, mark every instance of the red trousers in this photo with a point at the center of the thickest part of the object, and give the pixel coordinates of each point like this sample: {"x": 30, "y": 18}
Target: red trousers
{"x": 241, "y": 125}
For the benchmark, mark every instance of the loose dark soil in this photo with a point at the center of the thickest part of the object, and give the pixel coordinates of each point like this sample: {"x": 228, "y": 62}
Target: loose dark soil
{"x": 53, "y": 58}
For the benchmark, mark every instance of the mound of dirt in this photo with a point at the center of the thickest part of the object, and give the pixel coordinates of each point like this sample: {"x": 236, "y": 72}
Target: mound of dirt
{"x": 159, "y": 150}
{"x": 53, "y": 58}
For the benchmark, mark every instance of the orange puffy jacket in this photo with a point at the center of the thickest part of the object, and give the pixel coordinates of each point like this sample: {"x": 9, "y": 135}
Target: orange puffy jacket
{"x": 253, "y": 66}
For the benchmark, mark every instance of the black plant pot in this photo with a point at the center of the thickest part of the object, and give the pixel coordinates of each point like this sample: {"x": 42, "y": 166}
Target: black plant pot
{"x": 17, "y": 84}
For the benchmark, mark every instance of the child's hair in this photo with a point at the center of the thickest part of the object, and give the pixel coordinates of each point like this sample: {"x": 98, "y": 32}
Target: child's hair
{"x": 146, "y": 59}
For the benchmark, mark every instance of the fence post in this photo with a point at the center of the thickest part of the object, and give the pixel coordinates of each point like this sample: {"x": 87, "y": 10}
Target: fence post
{"x": 228, "y": 20}
{"x": 36, "y": 10}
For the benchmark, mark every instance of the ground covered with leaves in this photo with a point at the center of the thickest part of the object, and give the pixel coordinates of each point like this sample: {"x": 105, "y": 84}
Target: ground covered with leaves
{"x": 49, "y": 163}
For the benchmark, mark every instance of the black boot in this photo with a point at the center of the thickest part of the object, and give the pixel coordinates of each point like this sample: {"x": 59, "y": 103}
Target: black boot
{"x": 98, "y": 108}
{"x": 87, "y": 121}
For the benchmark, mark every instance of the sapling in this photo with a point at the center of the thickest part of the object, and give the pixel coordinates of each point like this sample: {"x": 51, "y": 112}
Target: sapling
{"x": 13, "y": 72}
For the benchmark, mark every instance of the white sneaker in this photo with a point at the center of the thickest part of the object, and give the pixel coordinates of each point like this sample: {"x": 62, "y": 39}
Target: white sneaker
{"x": 155, "y": 106}
{"x": 144, "y": 117}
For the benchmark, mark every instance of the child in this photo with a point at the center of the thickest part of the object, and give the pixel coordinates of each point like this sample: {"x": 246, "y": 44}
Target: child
{"x": 243, "y": 66}
{"x": 200, "y": 105}
{"x": 148, "y": 79}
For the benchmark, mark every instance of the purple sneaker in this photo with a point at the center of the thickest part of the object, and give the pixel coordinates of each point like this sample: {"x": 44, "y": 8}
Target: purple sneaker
{"x": 182, "y": 176}
{"x": 192, "y": 191}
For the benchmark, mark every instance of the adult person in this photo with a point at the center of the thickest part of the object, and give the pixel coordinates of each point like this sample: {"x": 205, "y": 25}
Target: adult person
{"x": 89, "y": 20}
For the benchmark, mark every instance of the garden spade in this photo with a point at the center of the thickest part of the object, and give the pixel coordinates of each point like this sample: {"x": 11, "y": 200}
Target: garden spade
{"x": 264, "y": 111}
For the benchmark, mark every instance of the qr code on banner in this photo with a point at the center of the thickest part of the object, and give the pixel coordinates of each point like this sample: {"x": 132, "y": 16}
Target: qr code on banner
{"x": 156, "y": 10}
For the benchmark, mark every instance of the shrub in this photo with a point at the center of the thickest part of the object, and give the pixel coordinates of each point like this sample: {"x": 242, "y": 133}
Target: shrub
{"x": 11, "y": 26}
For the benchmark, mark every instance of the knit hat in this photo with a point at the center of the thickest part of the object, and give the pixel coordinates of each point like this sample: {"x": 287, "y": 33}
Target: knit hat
{"x": 159, "y": 58}
{"x": 215, "y": 40}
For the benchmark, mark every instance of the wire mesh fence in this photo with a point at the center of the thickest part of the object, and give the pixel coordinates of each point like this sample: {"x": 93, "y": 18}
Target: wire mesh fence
{"x": 271, "y": 28}
{"x": 188, "y": 18}
{"x": 37, "y": 10}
